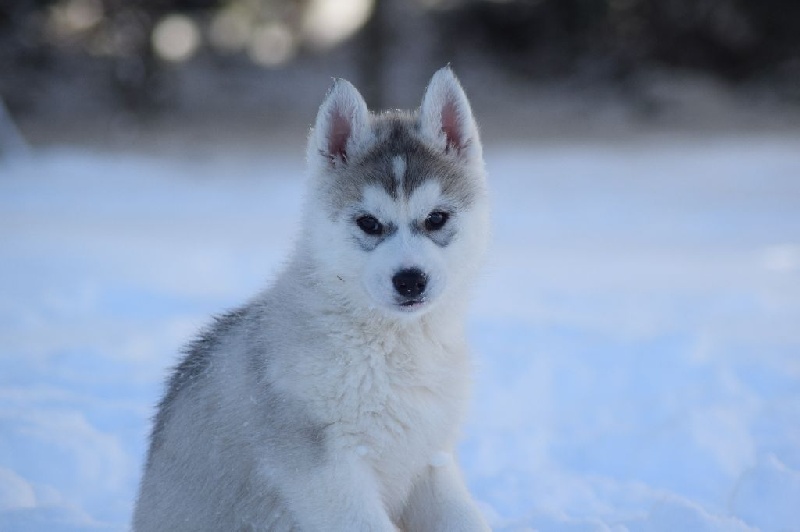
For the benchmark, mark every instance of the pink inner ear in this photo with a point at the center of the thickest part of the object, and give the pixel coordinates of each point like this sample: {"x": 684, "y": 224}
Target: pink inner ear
{"x": 340, "y": 130}
{"x": 451, "y": 125}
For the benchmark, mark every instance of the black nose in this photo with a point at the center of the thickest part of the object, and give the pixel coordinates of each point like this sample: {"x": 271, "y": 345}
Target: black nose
{"x": 410, "y": 283}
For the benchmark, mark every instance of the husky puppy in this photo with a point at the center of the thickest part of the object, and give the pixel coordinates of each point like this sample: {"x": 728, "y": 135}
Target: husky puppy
{"x": 332, "y": 401}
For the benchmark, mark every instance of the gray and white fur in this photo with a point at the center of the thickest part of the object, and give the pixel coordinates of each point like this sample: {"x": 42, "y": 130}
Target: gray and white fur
{"x": 332, "y": 401}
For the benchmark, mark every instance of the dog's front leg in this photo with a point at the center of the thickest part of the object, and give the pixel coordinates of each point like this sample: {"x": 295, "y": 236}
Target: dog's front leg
{"x": 339, "y": 494}
{"x": 440, "y": 501}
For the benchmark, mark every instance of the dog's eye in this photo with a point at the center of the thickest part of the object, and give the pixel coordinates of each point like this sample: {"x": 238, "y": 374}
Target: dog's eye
{"x": 436, "y": 220}
{"x": 370, "y": 225}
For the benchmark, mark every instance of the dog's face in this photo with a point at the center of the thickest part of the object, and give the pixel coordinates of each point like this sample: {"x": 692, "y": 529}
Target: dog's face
{"x": 398, "y": 216}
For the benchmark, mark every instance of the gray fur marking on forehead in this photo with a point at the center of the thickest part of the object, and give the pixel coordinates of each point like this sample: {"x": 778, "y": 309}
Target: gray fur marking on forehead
{"x": 399, "y": 169}
{"x": 397, "y": 137}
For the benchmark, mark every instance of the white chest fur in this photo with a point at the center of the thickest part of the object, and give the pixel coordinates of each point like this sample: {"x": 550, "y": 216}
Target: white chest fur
{"x": 393, "y": 397}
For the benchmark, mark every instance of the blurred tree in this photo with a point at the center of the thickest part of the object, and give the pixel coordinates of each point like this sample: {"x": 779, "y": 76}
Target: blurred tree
{"x": 12, "y": 143}
{"x": 372, "y": 54}
{"x": 42, "y": 40}
{"x": 738, "y": 39}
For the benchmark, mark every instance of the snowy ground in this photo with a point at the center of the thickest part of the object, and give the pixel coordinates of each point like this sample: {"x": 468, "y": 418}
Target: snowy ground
{"x": 637, "y": 330}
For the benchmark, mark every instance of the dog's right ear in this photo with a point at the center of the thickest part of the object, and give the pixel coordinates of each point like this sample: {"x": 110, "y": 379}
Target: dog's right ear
{"x": 342, "y": 129}
{"x": 446, "y": 117}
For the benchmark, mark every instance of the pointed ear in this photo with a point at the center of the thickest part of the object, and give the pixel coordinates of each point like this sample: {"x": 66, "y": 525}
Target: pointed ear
{"x": 446, "y": 117}
{"x": 342, "y": 128}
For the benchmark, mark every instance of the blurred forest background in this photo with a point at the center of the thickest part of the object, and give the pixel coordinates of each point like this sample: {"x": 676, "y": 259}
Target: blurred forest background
{"x": 529, "y": 65}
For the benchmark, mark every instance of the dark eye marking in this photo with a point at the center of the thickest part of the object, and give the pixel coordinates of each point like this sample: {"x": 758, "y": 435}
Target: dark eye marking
{"x": 436, "y": 220}
{"x": 370, "y": 225}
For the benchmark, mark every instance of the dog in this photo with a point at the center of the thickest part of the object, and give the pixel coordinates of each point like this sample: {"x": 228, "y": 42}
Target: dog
{"x": 332, "y": 401}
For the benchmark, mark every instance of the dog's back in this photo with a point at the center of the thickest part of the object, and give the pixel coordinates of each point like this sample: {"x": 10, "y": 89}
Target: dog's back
{"x": 202, "y": 466}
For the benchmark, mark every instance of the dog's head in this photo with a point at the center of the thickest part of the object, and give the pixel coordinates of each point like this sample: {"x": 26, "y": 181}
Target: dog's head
{"x": 397, "y": 218}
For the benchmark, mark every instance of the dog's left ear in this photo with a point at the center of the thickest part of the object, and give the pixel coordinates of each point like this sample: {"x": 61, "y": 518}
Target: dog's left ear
{"x": 446, "y": 117}
{"x": 342, "y": 129}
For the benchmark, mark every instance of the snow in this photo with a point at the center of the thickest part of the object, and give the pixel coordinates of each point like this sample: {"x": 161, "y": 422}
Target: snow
{"x": 635, "y": 331}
